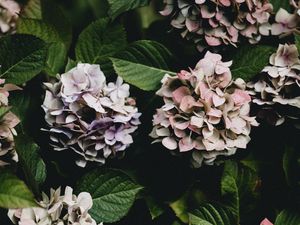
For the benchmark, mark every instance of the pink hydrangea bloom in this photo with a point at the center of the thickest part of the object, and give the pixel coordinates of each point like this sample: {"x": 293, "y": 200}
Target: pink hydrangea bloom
{"x": 285, "y": 22}
{"x": 9, "y": 13}
{"x": 215, "y": 23}
{"x": 205, "y": 112}
{"x": 56, "y": 209}
{"x": 8, "y": 122}
{"x": 277, "y": 88}
{"x": 266, "y": 222}
{"x": 94, "y": 119}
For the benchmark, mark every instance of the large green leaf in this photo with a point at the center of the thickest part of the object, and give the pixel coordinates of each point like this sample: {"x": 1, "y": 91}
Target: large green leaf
{"x": 39, "y": 29}
{"x": 57, "y": 50}
{"x": 49, "y": 12}
{"x": 143, "y": 64}
{"x": 22, "y": 57}
{"x": 238, "y": 187}
{"x": 54, "y": 15}
{"x": 288, "y": 217}
{"x": 250, "y": 60}
{"x": 277, "y": 4}
{"x": 32, "y": 164}
{"x": 113, "y": 193}
{"x": 100, "y": 40}
{"x": 14, "y": 193}
{"x": 119, "y": 6}
{"x": 212, "y": 214}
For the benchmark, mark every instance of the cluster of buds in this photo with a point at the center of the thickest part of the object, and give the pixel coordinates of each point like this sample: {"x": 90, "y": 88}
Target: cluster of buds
{"x": 56, "y": 210}
{"x": 94, "y": 119}
{"x": 215, "y": 23}
{"x": 205, "y": 112}
{"x": 9, "y": 14}
{"x": 277, "y": 88}
{"x": 8, "y": 122}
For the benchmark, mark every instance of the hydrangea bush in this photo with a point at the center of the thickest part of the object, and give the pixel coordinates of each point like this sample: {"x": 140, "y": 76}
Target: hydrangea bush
{"x": 143, "y": 112}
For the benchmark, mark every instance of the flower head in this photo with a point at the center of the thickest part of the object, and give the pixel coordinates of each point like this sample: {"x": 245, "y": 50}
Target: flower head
{"x": 277, "y": 88}
{"x": 215, "y": 23}
{"x": 205, "y": 112}
{"x": 57, "y": 209}
{"x": 94, "y": 119}
{"x": 9, "y": 13}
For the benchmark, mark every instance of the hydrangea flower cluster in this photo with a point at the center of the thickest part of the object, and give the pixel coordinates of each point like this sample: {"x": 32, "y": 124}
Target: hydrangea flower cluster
{"x": 214, "y": 23}
{"x": 86, "y": 115}
{"x": 277, "y": 88}
{"x": 9, "y": 14}
{"x": 56, "y": 210}
{"x": 8, "y": 121}
{"x": 284, "y": 23}
{"x": 205, "y": 111}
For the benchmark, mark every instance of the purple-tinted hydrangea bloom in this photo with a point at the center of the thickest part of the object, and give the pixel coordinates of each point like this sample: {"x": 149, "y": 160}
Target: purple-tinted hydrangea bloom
{"x": 92, "y": 118}
{"x": 215, "y": 23}
{"x": 205, "y": 112}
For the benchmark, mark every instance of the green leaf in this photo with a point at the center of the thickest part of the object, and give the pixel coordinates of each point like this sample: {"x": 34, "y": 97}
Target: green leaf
{"x": 288, "y": 217}
{"x": 14, "y": 193}
{"x": 38, "y": 28}
{"x": 238, "y": 186}
{"x": 32, "y": 164}
{"x": 56, "y": 58}
{"x": 22, "y": 57}
{"x": 181, "y": 209}
{"x": 191, "y": 199}
{"x": 4, "y": 110}
{"x": 32, "y": 10}
{"x": 99, "y": 7}
{"x": 57, "y": 50}
{"x": 297, "y": 41}
{"x": 155, "y": 208}
{"x": 70, "y": 64}
{"x": 49, "y": 12}
{"x": 250, "y": 60}
{"x": 143, "y": 64}
{"x": 99, "y": 40}
{"x": 119, "y": 6}
{"x": 277, "y": 4}
{"x": 291, "y": 166}
{"x": 212, "y": 214}
{"x": 20, "y": 103}
{"x": 55, "y": 16}
{"x": 113, "y": 193}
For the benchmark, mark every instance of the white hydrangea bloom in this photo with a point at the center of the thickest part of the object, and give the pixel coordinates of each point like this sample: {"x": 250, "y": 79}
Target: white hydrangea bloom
{"x": 57, "y": 210}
